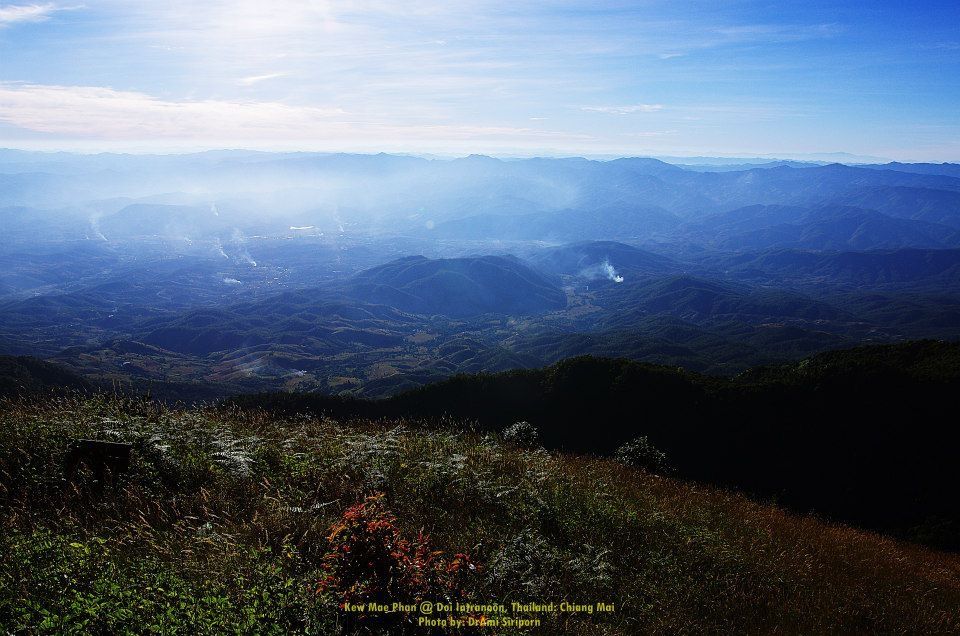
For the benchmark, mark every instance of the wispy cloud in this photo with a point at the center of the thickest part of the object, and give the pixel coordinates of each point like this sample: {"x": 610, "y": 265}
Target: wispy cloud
{"x": 624, "y": 110}
{"x": 651, "y": 133}
{"x": 750, "y": 33}
{"x": 707, "y": 38}
{"x": 256, "y": 79}
{"x": 97, "y": 111}
{"x": 14, "y": 13}
{"x": 92, "y": 112}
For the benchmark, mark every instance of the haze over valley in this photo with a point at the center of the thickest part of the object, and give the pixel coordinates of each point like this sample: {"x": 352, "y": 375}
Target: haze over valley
{"x": 369, "y": 274}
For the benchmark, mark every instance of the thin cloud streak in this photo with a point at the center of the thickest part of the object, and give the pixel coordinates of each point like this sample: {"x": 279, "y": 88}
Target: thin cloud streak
{"x": 256, "y": 79}
{"x": 624, "y": 110}
{"x": 11, "y": 13}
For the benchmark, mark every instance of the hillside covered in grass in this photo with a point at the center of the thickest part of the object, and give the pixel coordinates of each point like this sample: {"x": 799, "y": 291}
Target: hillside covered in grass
{"x": 238, "y": 521}
{"x": 864, "y": 436}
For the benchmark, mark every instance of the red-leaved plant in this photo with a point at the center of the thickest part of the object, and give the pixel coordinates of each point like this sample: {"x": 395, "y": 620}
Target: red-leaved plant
{"x": 369, "y": 561}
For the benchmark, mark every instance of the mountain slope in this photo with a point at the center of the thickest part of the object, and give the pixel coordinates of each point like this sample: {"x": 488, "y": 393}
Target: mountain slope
{"x": 585, "y": 259}
{"x": 26, "y": 375}
{"x": 920, "y": 204}
{"x": 745, "y": 219}
{"x": 222, "y": 528}
{"x": 696, "y": 299}
{"x": 844, "y": 228}
{"x": 940, "y": 267}
{"x": 944, "y": 169}
{"x": 457, "y": 287}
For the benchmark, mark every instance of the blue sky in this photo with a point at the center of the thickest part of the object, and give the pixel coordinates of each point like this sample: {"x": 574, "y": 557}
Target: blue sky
{"x": 539, "y": 77}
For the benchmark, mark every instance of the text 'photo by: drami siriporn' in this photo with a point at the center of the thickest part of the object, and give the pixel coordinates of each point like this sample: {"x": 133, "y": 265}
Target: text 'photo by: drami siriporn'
{"x": 555, "y": 318}
{"x": 490, "y": 615}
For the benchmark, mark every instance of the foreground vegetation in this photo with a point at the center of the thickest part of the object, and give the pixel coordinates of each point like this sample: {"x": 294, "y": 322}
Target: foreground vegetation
{"x": 236, "y": 521}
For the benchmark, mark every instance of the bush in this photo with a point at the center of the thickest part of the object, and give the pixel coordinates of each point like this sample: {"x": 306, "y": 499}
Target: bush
{"x": 640, "y": 453}
{"x": 522, "y": 434}
{"x": 369, "y": 561}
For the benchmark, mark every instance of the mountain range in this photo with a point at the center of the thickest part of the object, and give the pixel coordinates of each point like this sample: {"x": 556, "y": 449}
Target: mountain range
{"x": 370, "y": 274}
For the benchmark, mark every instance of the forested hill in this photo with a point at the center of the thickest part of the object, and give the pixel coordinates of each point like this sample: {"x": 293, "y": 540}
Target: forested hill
{"x": 19, "y": 374}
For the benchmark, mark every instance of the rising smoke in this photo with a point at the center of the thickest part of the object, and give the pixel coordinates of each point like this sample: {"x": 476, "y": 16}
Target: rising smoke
{"x": 611, "y": 272}
{"x": 601, "y": 270}
{"x": 239, "y": 241}
{"x": 95, "y": 228}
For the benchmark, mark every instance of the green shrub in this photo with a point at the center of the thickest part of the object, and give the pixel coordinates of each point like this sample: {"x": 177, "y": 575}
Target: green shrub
{"x": 522, "y": 434}
{"x": 640, "y": 453}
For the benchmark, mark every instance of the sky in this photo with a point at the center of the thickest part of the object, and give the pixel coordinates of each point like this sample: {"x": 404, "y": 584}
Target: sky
{"x": 649, "y": 77}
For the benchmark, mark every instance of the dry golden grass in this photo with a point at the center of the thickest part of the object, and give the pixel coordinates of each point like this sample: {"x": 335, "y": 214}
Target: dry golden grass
{"x": 804, "y": 575}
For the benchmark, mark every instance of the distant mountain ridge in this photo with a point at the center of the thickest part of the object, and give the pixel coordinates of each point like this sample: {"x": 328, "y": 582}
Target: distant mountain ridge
{"x": 457, "y": 287}
{"x": 823, "y": 227}
{"x": 640, "y": 194}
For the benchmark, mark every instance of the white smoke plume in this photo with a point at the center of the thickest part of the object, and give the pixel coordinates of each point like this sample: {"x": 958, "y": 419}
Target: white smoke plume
{"x": 95, "y": 227}
{"x": 240, "y": 242}
{"x": 611, "y": 272}
{"x": 337, "y": 219}
{"x": 219, "y": 247}
{"x": 602, "y": 270}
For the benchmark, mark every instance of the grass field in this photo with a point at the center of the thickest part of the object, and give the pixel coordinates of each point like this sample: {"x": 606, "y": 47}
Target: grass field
{"x": 233, "y": 521}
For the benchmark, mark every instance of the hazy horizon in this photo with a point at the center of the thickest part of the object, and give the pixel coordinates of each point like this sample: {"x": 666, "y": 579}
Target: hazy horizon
{"x": 692, "y": 158}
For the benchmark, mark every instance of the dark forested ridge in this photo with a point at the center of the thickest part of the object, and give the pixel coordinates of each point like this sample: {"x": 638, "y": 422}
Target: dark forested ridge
{"x": 23, "y": 374}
